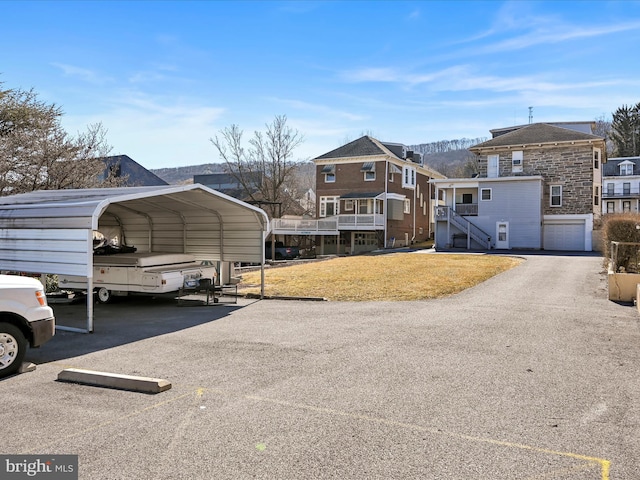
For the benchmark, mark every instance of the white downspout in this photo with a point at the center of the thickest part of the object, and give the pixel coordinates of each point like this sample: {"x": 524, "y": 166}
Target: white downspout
{"x": 385, "y": 204}
{"x": 414, "y": 209}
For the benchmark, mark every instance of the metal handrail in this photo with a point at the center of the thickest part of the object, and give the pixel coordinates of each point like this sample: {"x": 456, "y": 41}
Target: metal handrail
{"x": 475, "y": 232}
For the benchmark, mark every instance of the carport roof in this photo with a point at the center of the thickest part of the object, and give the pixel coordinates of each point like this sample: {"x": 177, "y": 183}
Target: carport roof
{"x": 82, "y": 208}
{"x": 238, "y": 226}
{"x": 50, "y": 231}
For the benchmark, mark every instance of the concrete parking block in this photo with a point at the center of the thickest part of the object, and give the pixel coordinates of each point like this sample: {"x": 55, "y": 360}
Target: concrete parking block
{"x": 114, "y": 380}
{"x": 27, "y": 367}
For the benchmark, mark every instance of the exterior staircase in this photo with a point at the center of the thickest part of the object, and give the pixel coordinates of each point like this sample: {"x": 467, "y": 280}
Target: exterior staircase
{"x": 471, "y": 231}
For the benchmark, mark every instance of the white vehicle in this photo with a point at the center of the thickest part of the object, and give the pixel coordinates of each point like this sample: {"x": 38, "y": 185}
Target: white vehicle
{"x": 153, "y": 273}
{"x": 25, "y": 318}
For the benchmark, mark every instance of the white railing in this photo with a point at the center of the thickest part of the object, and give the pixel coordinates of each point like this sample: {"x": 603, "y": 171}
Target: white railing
{"x": 361, "y": 221}
{"x": 467, "y": 209}
{"x": 308, "y": 226}
{"x": 304, "y": 225}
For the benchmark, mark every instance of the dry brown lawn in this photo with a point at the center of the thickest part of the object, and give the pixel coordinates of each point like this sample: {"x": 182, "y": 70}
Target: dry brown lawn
{"x": 399, "y": 276}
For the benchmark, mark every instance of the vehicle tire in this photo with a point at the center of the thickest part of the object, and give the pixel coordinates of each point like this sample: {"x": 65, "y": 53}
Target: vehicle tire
{"x": 13, "y": 346}
{"x": 104, "y": 295}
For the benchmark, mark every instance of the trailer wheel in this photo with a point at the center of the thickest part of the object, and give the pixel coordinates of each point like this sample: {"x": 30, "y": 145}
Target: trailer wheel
{"x": 104, "y": 295}
{"x": 13, "y": 346}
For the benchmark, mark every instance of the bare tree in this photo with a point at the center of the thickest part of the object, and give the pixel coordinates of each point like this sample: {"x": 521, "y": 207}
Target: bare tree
{"x": 603, "y": 129}
{"x": 36, "y": 153}
{"x": 265, "y": 170}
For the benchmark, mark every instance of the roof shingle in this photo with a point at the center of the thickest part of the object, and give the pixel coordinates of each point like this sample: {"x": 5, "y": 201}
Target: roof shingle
{"x": 536, "y": 133}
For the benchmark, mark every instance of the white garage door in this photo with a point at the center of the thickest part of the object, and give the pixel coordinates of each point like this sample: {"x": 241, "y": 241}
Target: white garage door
{"x": 564, "y": 236}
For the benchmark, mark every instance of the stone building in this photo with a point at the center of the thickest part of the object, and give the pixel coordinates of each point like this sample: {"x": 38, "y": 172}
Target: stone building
{"x": 539, "y": 186}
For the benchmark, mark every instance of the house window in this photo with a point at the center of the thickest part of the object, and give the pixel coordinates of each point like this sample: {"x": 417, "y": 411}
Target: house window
{"x": 485, "y": 194}
{"x": 329, "y": 172}
{"x": 596, "y": 158}
{"x": 556, "y": 195}
{"x": 348, "y": 205}
{"x": 393, "y": 169}
{"x": 610, "y": 187}
{"x": 611, "y": 207}
{"x": 369, "y": 169}
{"x": 596, "y": 196}
{"x": 365, "y": 206}
{"x": 516, "y": 161}
{"x": 467, "y": 198}
{"x": 329, "y": 206}
{"x": 626, "y": 188}
{"x": 407, "y": 205}
{"x": 626, "y": 168}
{"x": 626, "y": 206}
{"x": 492, "y": 166}
{"x": 408, "y": 177}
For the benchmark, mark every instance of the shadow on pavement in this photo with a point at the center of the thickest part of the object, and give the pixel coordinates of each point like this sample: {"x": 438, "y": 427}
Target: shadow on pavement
{"x": 124, "y": 321}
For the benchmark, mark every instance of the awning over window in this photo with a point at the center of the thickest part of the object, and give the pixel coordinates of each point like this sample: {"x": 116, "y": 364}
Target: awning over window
{"x": 328, "y": 169}
{"x": 368, "y": 167}
{"x": 353, "y": 195}
{"x": 394, "y": 169}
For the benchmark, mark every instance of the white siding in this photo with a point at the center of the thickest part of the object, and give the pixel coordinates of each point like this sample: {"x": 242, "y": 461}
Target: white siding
{"x": 51, "y": 231}
{"x": 516, "y": 202}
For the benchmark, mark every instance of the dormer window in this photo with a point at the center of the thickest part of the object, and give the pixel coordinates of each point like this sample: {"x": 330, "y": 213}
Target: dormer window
{"x": 626, "y": 168}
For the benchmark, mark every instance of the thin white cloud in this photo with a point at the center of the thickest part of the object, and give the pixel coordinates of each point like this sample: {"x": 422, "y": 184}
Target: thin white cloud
{"x": 85, "y": 74}
{"x": 414, "y": 15}
{"x": 155, "y": 132}
{"x": 560, "y": 33}
{"x": 371, "y": 74}
{"x": 315, "y": 108}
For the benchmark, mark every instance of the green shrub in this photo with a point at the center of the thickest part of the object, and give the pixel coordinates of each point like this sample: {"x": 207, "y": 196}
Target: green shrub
{"x": 624, "y": 227}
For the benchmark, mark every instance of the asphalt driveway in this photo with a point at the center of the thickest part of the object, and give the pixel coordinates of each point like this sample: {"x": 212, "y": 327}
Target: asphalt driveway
{"x": 530, "y": 375}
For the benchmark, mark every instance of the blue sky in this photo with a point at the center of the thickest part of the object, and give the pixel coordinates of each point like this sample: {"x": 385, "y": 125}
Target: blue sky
{"x": 165, "y": 77}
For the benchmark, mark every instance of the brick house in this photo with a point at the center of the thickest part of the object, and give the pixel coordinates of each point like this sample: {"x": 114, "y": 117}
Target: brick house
{"x": 377, "y": 194}
{"x": 538, "y": 187}
{"x": 621, "y": 185}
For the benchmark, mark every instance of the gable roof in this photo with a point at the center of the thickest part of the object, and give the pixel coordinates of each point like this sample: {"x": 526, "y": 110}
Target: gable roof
{"x": 537, "y": 133}
{"x": 584, "y": 127}
{"x": 362, "y": 147}
{"x": 137, "y": 175}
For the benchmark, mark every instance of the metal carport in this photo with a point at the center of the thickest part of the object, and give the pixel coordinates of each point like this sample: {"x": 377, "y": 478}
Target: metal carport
{"x": 51, "y": 231}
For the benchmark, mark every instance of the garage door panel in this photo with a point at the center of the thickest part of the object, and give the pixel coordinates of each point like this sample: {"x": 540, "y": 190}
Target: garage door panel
{"x": 564, "y": 236}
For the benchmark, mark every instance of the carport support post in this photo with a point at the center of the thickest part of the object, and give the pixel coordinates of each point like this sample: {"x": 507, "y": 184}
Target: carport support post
{"x": 89, "y": 304}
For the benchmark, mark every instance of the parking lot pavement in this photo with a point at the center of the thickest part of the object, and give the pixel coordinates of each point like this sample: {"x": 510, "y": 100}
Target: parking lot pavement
{"x": 532, "y": 374}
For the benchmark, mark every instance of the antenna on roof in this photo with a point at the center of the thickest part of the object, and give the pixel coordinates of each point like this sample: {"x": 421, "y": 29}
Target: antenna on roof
{"x": 530, "y": 114}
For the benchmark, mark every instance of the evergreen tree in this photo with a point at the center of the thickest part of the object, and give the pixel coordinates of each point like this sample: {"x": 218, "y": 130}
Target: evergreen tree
{"x": 625, "y": 131}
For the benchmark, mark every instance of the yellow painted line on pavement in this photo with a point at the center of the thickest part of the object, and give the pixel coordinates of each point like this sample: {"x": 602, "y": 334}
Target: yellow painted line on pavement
{"x": 603, "y": 464}
{"x": 198, "y": 392}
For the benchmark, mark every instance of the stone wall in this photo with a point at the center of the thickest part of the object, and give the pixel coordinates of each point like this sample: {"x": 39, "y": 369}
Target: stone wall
{"x": 568, "y": 166}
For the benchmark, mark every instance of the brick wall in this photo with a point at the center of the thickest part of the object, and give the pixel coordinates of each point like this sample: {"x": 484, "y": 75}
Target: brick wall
{"x": 350, "y": 179}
